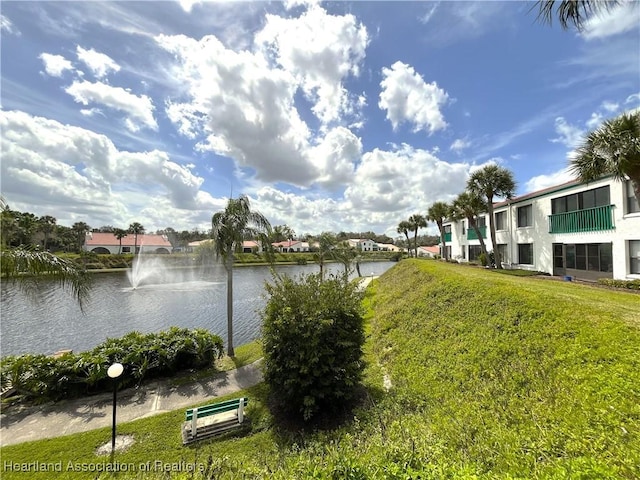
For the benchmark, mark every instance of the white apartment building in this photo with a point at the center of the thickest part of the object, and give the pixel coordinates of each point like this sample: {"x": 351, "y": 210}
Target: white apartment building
{"x": 587, "y": 231}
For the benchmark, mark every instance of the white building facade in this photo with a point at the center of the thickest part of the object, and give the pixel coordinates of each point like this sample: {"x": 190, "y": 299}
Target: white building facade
{"x": 587, "y": 231}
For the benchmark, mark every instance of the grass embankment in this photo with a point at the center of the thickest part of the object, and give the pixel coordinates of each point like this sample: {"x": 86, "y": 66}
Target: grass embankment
{"x": 491, "y": 376}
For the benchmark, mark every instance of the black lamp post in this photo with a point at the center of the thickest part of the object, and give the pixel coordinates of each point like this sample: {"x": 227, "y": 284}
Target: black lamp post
{"x": 114, "y": 372}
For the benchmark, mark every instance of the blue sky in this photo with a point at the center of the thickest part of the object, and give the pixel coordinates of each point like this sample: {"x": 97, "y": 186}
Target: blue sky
{"x": 331, "y": 116}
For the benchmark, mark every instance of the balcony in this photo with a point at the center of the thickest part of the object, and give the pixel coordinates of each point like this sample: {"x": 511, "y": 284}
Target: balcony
{"x": 588, "y": 220}
{"x": 447, "y": 237}
{"x": 471, "y": 233}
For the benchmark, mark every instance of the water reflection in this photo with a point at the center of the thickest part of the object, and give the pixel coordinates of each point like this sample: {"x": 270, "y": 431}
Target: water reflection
{"x": 194, "y": 298}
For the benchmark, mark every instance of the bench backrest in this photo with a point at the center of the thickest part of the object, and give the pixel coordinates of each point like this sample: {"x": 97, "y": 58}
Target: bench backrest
{"x": 215, "y": 408}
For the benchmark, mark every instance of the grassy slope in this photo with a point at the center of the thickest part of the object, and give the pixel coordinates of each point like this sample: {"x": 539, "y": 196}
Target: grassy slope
{"x": 492, "y": 376}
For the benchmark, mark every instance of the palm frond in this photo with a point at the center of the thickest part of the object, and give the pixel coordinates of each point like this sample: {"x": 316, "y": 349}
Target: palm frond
{"x": 26, "y": 266}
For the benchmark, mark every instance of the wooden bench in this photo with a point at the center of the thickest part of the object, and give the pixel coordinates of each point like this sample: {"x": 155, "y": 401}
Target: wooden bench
{"x": 210, "y": 420}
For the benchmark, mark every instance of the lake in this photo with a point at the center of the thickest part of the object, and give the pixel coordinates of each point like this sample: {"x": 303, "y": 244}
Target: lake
{"x": 51, "y": 320}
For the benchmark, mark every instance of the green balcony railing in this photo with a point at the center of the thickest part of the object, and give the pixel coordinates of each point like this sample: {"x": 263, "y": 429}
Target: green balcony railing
{"x": 472, "y": 235}
{"x": 447, "y": 237}
{"x": 588, "y": 220}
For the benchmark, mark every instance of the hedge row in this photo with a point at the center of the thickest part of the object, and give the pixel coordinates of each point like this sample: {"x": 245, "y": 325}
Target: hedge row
{"x": 42, "y": 378}
{"x": 630, "y": 284}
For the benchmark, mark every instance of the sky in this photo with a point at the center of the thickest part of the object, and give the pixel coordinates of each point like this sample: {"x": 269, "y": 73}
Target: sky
{"x": 332, "y": 116}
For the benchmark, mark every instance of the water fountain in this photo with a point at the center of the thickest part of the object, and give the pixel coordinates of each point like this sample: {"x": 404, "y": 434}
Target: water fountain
{"x": 158, "y": 272}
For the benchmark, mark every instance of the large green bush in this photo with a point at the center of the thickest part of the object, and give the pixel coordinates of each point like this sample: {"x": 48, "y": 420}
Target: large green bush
{"x": 313, "y": 335}
{"x": 144, "y": 356}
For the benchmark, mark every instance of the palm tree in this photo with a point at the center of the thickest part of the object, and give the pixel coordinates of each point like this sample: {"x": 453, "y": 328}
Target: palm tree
{"x": 26, "y": 266}
{"x": 136, "y": 229}
{"x": 120, "y": 233}
{"x": 229, "y": 228}
{"x": 469, "y": 205}
{"x": 80, "y": 230}
{"x": 326, "y": 244}
{"x": 439, "y": 212}
{"x": 404, "y": 227}
{"x": 47, "y": 225}
{"x": 488, "y": 182}
{"x": 572, "y": 12}
{"x": 612, "y": 149}
{"x": 417, "y": 222}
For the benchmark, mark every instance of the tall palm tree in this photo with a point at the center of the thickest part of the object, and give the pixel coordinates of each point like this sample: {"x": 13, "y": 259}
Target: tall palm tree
{"x": 439, "y": 212}
{"x": 417, "y": 222}
{"x": 136, "y": 229}
{"x": 489, "y": 182}
{"x": 404, "y": 227}
{"x": 46, "y": 225}
{"x": 572, "y": 12}
{"x": 229, "y": 228}
{"x": 612, "y": 149}
{"x": 80, "y": 230}
{"x": 469, "y": 205}
{"x": 120, "y": 233}
{"x": 326, "y": 244}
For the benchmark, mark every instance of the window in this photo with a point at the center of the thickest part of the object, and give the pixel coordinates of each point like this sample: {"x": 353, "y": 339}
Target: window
{"x": 632, "y": 201}
{"x": 596, "y": 257}
{"x": 481, "y": 221}
{"x": 464, "y": 252}
{"x": 501, "y": 220}
{"x": 581, "y": 257}
{"x": 598, "y": 197}
{"x": 501, "y": 248}
{"x": 447, "y": 229}
{"x": 525, "y": 216}
{"x": 634, "y": 256}
{"x": 525, "y": 253}
{"x": 448, "y": 251}
{"x": 464, "y": 230}
{"x": 474, "y": 252}
{"x": 126, "y": 249}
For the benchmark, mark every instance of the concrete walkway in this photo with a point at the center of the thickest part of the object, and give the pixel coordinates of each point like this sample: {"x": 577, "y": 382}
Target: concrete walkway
{"x": 84, "y": 414}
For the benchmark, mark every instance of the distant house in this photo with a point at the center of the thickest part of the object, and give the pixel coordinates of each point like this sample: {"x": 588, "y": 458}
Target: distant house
{"x": 389, "y": 247}
{"x": 248, "y": 246}
{"x": 431, "y": 252}
{"x": 108, "y": 243}
{"x": 363, "y": 244}
{"x": 291, "y": 246}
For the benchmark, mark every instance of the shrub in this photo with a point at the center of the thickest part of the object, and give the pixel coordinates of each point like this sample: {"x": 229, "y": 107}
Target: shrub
{"x": 41, "y": 377}
{"x": 630, "y": 284}
{"x": 313, "y": 335}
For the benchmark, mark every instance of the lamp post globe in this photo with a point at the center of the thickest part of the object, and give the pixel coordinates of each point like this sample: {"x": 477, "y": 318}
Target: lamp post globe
{"x": 114, "y": 371}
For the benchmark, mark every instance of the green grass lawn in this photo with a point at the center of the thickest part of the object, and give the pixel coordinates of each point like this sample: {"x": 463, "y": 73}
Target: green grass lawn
{"x": 487, "y": 376}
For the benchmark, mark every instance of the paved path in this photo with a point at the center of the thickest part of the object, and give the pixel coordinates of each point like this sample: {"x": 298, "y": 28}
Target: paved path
{"x": 80, "y": 415}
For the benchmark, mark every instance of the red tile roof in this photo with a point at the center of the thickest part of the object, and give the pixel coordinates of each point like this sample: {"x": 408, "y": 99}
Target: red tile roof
{"x": 99, "y": 239}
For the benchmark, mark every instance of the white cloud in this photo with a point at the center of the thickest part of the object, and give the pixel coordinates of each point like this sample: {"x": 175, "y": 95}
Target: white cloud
{"x": 619, "y": 19}
{"x": 6, "y": 25}
{"x": 610, "y": 107}
{"x": 99, "y": 63}
{"x": 237, "y": 105}
{"x": 320, "y": 51}
{"x": 431, "y": 10}
{"x": 540, "y": 182}
{"x": 408, "y": 98}
{"x": 55, "y": 65}
{"x": 460, "y": 144}
{"x": 50, "y": 164}
{"x": 633, "y": 98}
{"x": 335, "y": 157}
{"x": 569, "y": 135}
{"x": 594, "y": 121}
{"x": 138, "y": 109}
{"x": 187, "y": 5}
